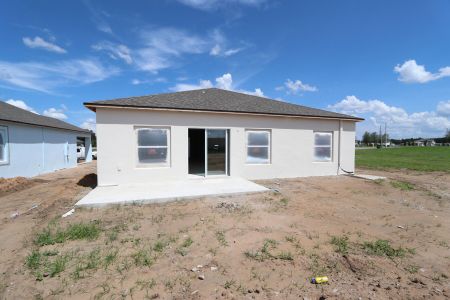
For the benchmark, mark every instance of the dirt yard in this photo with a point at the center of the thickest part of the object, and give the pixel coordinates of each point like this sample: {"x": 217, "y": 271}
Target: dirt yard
{"x": 374, "y": 240}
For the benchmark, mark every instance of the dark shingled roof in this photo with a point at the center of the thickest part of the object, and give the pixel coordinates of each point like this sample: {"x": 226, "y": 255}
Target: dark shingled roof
{"x": 12, "y": 113}
{"x": 218, "y": 100}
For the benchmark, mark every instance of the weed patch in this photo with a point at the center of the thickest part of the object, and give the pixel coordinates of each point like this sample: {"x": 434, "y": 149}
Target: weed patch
{"x": 340, "y": 244}
{"x": 402, "y": 185}
{"x": 80, "y": 231}
{"x": 383, "y": 248}
{"x": 220, "y": 235}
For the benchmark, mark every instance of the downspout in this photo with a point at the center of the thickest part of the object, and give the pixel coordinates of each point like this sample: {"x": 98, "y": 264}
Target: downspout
{"x": 339, "y": 152}
{"x": 339, "y": 147}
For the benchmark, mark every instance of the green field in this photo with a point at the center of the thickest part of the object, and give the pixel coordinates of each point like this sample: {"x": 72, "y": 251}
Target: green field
{"x": 412, "y": 158}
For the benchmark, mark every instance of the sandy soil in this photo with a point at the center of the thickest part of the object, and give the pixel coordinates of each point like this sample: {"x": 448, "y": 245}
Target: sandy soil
{"x": 149, "y": 251}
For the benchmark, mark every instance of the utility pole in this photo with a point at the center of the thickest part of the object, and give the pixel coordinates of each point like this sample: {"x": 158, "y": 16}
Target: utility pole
{"x": 381, "y": 138}
{"x": 385, "y": 135}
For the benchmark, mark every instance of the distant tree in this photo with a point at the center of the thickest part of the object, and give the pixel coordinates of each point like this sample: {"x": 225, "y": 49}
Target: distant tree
{"x": 366, "y": 138}
{"x": 374, "y": 137}
{"x": 447, "y": 135}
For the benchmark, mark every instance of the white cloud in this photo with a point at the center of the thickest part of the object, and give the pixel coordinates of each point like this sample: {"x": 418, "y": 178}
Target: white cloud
{"x": 45, "y": 77}
{"x": 223, "y": 82}
{"x": 443, "y": 108}
{"x": 21, "y": 104}
{"x": 215, "y": 4}
{"x": 115, "y": 51}
{"x": 98, "y": 17}
{"x": 148, "y": 81}
{"x": 220, "y": 47}
{"x": 55, "y": 113}
{"x": 89, "y": 124}
{"x": 293, "y": 87}
{"x": 164, "y": 47}
{"x": 411, "y": 72}
{"x": 203, "y": 84}
{"x": 399, "y": 122}
{"x": 40, "y": 43}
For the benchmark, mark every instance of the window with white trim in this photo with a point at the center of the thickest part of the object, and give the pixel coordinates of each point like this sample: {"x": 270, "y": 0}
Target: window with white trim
{"x": 4, "y": 156}
{"x": 258, "y": 146}
{"x": 153, "y": 146}
{"x": 323, "y": 143}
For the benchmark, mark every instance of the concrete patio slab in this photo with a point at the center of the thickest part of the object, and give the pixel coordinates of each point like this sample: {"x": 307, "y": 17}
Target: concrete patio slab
{"x": 368, "y": 177}
{"x": 156, "y": 192}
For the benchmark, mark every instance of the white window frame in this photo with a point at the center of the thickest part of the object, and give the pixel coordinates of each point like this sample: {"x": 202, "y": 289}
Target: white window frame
{"x": 330, "y": 133}
{"x": 268, "y": 146}
{"x": 4, "y": 132}
{"x": 153, "y": 165}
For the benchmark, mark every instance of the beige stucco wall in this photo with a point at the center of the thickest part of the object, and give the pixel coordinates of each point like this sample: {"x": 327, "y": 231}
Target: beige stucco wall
{"x": 291, "y": 152}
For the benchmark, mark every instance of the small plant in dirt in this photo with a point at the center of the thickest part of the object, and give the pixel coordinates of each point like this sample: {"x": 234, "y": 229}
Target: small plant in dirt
{"x": 316, "y": 267}
{"x": 340, "y": 244}
{"x": 142, "y": 258}
{"x": 383, "y": 248}
{"x": 58, "y": 265}
{"x": 284, "y": 201}
{"x": 285, "y": 256}
{"x": 183, "y": 249}
{"x": 265, "y": 252}
{"x": 187, "y": 242}
{"x": 110, "y": 258}
{"x": 412, "y": 269}
{"x": 33, "y": 260}
{"x": 402, "y": 185}
{"x": 146, "y": 284}
{"x": 220, "y": 235}
{"x": 229, "y": 283}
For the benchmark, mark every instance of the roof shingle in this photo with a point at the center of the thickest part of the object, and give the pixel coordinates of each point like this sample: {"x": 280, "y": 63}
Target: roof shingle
{"x": 218, "y": 100}
{"x": 12, "y": 113}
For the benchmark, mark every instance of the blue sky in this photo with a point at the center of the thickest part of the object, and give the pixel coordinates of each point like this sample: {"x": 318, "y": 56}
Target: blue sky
{"x": 387, "y": 61}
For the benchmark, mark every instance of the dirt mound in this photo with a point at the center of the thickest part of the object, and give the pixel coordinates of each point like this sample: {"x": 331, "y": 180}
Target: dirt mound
{"x": 8, "y": 185}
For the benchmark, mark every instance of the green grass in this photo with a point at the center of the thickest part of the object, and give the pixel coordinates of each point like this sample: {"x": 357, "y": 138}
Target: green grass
{"x": 79, "y": 231}
{"x": 412, "y": 158}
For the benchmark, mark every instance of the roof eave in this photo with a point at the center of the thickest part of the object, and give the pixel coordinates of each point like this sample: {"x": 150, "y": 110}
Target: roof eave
{"x": 93, "y": 106}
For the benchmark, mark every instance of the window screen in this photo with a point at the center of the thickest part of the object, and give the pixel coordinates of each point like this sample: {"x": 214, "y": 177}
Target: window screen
{"x": 153, "y": 146}
{"x": 258, "y": 146}
{"x": 322, "y": 146}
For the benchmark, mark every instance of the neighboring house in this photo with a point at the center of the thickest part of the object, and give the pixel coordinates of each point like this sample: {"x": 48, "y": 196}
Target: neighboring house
{"x": 212, "y": 132}
{"x": 424, "y": 142}
{"x": 31, "y": 144}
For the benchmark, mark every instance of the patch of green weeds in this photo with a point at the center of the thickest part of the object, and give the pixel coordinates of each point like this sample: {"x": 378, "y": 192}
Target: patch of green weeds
{"x": 412, "y": 269}
{"x": 340, "y": 244}
{"x": 265, "y": 252}
{"x": 220, "y": 235}
{"x": 146, "y": 284}
{"x": 402, "y": 185}
{"x": 142, "y": 258}
{"x": 58, "y": 265}
{"x": 33, "y": 260}
{"x": 383, "y": 248}
{"x": 79, "y": 231}
{"x": 110, "y": 257}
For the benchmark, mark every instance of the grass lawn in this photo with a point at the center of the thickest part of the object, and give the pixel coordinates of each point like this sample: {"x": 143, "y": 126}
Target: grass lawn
{"x": 413, "y": 158}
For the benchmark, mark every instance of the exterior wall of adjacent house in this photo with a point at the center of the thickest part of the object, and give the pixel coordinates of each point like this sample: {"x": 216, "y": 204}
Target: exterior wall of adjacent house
{"x": 34, "y": 150}
{"x": 292, "y": 144}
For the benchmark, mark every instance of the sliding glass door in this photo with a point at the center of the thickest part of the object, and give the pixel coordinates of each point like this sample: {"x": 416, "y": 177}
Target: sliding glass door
{"x": 216, "y": 154}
